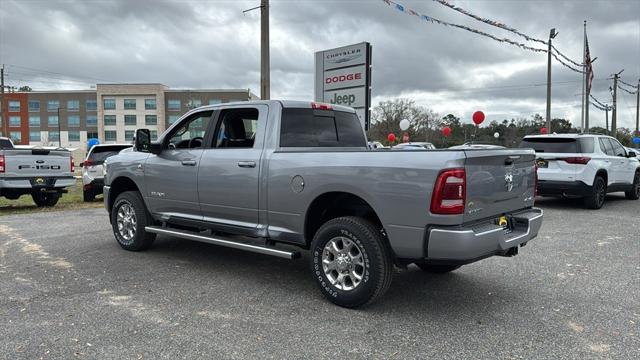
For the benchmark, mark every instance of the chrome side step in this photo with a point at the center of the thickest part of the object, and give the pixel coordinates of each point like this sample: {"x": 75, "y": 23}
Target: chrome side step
{"x": 224, "y": 242}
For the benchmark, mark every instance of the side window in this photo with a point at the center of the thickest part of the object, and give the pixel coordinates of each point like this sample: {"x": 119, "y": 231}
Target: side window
{"x": 236, "y": 128}
{"x": 586, "y": 145}
{"x": 618, "y": 149}
{"x": 189, "y": 134}
{"x": 605, "y": 146}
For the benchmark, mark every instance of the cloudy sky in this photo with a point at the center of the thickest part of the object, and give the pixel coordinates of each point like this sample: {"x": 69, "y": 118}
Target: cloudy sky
{"x": 212, "y": 44}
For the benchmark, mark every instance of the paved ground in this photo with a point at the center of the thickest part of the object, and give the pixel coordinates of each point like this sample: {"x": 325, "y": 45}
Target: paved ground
{"x": 67, "y": 290}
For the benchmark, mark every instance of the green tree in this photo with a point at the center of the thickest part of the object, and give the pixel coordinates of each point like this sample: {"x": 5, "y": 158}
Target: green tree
{"x": 25, "y": 89}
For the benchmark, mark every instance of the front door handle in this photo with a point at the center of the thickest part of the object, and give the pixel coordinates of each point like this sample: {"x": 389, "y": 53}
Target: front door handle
{"x": 247, "y": 164}
{"x": 189, "y": 162}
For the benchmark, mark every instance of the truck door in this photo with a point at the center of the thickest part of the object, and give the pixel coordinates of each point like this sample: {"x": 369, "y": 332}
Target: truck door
{"x": 171, "y": 177}
{"x": 230, "y": 169}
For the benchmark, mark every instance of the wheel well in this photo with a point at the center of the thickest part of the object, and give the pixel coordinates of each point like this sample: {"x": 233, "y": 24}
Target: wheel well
{"x": 333, "y": 205}
{"x": 603, "y": 174}
{"x": 118, "y": 186}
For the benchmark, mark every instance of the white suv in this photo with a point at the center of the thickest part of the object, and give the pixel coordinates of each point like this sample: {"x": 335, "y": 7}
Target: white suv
{"x": 92, "y": 168}
{"x": 584, "y": 165}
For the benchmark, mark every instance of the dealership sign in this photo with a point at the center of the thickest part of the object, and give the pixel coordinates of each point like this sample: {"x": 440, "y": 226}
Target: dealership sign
{"x": 343, "y": 77}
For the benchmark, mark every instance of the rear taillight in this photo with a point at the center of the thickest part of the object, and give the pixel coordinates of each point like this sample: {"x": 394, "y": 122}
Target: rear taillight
{"x": 321, "y": 106}
{"x": 582, "y": 160}
{"x": 449, "y": 192}
{"x": 1, "y": 163}
{"x": 87, "y": 163}
{"x": 73, "y": 165}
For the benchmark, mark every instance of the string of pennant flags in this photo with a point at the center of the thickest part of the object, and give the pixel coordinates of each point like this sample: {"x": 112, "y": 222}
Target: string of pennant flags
{"x": 565, "y": 57}
{"x": 625, "y": 90}
{"x": 599, "y": 105}
{"x": 434, "y": 20}
{"x": 629, "y": 85}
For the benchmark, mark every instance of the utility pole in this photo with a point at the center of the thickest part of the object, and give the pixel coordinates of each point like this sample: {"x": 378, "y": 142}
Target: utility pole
{"x": 552, "y": 34}
{"x": 606, "y": 112}
{"x": 638, "y": 112}
{"x": 2, "y": 117}
{"x": 265, "y": 76}
{"x": 614, "y": 112}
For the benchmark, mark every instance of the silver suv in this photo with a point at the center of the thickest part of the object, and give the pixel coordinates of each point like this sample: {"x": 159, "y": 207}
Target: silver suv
{"x": 584, "y": 165}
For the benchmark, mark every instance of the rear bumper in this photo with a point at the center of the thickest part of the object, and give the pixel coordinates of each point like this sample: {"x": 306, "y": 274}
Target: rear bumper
{"x": 468, "y": 244}
{"x": 563, "y": 188}
{"x": 30, "y": 183}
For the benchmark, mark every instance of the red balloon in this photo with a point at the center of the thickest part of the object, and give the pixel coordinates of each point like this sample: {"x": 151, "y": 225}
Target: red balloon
{"x": 478, "y": 117}
{"x": 391, "y": 137}
{"x": 446, "y": 131}
{"x": 543, "y": 131}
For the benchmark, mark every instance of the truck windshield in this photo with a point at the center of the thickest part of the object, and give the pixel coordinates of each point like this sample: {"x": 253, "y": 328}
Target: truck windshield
{"x": 320, "y": 128}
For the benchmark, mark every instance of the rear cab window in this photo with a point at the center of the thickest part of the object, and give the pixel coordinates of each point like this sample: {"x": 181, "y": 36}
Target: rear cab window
{"x": 5, "y": 144}
{"x": 559, "y": 145}
{"x": 301, "y": 127}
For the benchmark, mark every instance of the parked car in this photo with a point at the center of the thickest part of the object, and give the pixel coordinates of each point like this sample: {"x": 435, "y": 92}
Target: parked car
{"x": 42, "y": 173}
{"x": 584, "y": 165}
{"x": 476, "y": 146}
{"x": 303, "y": 176}
{"x": 414, "y": 146}
{"x": 374, "y": 145}
{"x": 92, "y": 168}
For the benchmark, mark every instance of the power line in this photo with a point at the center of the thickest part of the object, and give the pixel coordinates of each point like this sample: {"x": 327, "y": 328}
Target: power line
{"x": 632, "y": 86}
{"x": 55, "y": 73}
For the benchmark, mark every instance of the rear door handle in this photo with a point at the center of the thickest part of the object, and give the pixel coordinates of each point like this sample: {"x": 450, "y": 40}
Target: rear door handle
{"x": 247, "y": 164}
{"x": 189, "y": 162}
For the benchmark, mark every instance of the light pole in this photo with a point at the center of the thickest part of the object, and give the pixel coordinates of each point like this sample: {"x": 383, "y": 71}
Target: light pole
{"x": 552, "y": 35}
{"x": 59, "y": 131}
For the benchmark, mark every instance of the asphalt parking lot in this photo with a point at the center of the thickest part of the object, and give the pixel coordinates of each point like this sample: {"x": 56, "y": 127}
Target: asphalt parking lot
{"x": 67, "y": 290}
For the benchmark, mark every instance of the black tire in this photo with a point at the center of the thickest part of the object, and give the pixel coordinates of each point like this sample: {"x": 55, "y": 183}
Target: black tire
{"x": 595, "y": 200}
{"x": 88, "y": 196}
{"x": 376, "y": 269}
{"x": 437, "y": 269}
{"x": 140, "y": 239}
{"x": 634, "y": 193}
{"x": 45, "y": 199}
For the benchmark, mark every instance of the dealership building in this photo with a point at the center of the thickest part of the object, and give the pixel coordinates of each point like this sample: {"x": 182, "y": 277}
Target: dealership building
{"x": 110, "y": 113}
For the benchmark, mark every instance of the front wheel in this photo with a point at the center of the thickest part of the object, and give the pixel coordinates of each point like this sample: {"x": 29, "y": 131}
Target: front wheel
{"x": 351, "y": 262}
{"x": 45, "y": 199}
{"x": 595, "y": 200}
{"x": 634, "y": 193}
{"x": 129, "y": 217}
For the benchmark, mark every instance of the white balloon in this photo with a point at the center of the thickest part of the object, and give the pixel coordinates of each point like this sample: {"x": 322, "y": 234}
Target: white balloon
{"x": 404, "y": 124}
{"x": 496, "y": 135}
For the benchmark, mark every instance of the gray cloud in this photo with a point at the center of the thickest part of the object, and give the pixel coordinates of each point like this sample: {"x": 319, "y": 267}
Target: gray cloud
{"x": 211, "y": 44}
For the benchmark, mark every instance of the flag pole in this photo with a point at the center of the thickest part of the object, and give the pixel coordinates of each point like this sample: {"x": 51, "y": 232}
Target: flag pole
{"x": 584, "y": 74}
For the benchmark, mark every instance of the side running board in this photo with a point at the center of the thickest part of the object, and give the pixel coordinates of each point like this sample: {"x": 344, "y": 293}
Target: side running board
{"x": 222, "y": 241}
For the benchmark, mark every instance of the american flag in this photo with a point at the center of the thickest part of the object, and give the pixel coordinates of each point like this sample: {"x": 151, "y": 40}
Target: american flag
{"x": 587, "y": 61}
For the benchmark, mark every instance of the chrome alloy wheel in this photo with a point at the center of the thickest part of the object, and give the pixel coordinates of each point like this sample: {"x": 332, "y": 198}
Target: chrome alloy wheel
{"x": 343, "y": 263}
{"x": 126, "y": 221}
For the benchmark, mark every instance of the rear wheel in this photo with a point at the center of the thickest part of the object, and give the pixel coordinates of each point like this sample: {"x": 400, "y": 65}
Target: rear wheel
{"x": 129, "y": 217}
{"x": 437, "y": 269}
{"x": 88, "y": 196}
{"x": 45, "y": 199}
{"x": 595, "y": 200}
{"x": 351, "y": 262}
{"x": 634, "y": 193}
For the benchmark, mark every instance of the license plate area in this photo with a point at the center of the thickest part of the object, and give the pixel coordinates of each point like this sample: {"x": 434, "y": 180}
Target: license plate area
{"x": 506, "y": 222}
{"x": 542, "y": 163}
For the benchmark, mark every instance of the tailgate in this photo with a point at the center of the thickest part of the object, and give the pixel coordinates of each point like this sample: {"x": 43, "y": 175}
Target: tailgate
{"x": 498, "y": 182}
{"x": 30, "y": 163}
{"x": 552, "y": 167}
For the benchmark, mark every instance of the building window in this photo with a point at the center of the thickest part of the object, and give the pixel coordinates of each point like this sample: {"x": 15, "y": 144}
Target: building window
{"x": 237, "y": 100}
{"x": 14, "y": 121}
{"x": 173, "y": 104}
{"x": 34, "y": 135}
{"x": 34, "y": 105}
{"x": 53, "y": 120}
{"x": 73, "y": 120}
{"x": 53, "y": 105}
{"x": 92, "y": 135}
{"x": 14, "y": 106}
{"x": 110, "y": 135}
{"x": 154, "y": 135}
{"x": 109, "y": 120}
{"x": 54, "y": 135}
{"x": 128, "y": 135}
{"x": 194, "y": 103}
{"x": 149, "y": 104}
{"x": 215, "y": 101}
{"x": 150, "y": 120}
{"x": 74, "y": 135}
{"x": 16, "y": 136}
{"x": 130, "y": 120}
{"x": 129, "y": 104}
{"x": 109, "y": 104}
{"x": 92, "y": 120}
{"x": 172, "y": 119}
{"x": 92, "y": 105}
{"x": 73, "y": 105}
{"x": 34, "y": 121}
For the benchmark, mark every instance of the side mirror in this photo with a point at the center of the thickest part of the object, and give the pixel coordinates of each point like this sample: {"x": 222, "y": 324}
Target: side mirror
{"x": 631, "y": 154}
{"x": 143, "y": 140}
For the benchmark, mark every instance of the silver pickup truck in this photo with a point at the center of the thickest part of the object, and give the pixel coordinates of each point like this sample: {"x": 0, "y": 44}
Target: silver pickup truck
{"x": 42, "y": 173}
{"x": 262, "y": 175}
